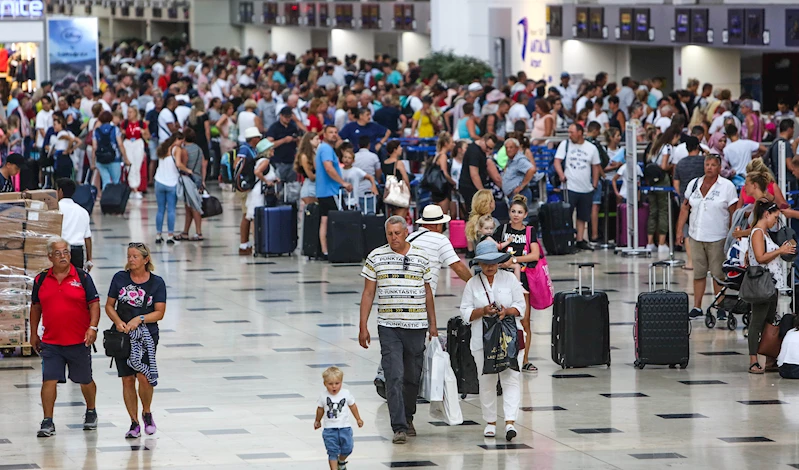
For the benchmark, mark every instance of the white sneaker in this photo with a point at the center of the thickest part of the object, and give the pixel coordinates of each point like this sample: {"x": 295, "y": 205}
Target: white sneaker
{"x": 663, "y": 250}
{"x": 510, "y": 432}
{"x": 137, "y": 196}
{"x": 490, "y": 431}
{"x": 651, "y": 247}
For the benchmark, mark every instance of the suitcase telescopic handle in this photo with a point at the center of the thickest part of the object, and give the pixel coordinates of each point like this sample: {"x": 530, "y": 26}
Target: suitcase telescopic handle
{"x": 653, "y": 275}
{"x": 580, "y": 267}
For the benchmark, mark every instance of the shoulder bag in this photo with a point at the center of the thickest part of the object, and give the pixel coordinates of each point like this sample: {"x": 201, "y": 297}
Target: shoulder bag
{"x": 542, "y": 293}
{"x": 434, "y": 179}
{"x": 397, "y": 193}
{"x": 758, "y": 284}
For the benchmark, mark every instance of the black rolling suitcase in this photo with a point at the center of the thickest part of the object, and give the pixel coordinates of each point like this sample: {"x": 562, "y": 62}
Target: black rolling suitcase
{"x": 581, "y": 325}
{"x": 115, "y": 198}
{"x": 374, "y": 232}
{"x": 662, "y": 327}
{"x": 557, "y": 227}
{"x": 310, "y": 232}
{"x": 459, "y": 337}
{"x": 345, "y": 237}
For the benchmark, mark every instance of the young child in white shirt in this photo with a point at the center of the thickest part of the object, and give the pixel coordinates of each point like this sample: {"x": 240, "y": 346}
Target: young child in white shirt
{"x": 354, "y": 176}
{"x": 333, "y": 410}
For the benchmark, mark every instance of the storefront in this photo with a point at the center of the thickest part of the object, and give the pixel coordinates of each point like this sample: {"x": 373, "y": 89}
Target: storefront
{"x": 22, "y": 44}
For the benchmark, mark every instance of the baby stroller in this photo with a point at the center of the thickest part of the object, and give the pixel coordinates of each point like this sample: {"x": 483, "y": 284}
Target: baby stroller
{"x": 728, "y": 301}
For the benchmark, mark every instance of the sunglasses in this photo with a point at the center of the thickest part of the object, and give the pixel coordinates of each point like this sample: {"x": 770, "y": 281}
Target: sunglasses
{"x": 135, "y": 245}
{"x": 406, "y": 263}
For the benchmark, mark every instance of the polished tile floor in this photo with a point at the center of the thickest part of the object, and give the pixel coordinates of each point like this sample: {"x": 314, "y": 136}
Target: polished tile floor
{"x": 245, "y": 340}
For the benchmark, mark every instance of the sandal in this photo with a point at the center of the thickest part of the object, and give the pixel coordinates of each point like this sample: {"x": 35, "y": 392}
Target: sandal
{"x": 756, "y": 369}
{"x": 772, "y": 367}
{"x": 529, "y": 367}
{"x": 195, "y": 238}
{"x": 181, "y": 236}
{"x": 490, "y": 431}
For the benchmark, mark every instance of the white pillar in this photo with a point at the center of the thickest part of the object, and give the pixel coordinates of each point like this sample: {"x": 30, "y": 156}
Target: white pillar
{"x": 721, "y": 67}
{"x": 414, "y": 46}
{"x": 259, "y": 38}
{"x": 588, "y": 59}
{"x": 210, "y": 26}
{"x": 677, "y": 69}
{"x": 289, "y": 39}
{"x": 344, "y": 42}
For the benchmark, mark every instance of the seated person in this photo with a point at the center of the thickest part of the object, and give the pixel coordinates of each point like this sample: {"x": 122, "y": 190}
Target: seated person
{"x": 788, "y": 360}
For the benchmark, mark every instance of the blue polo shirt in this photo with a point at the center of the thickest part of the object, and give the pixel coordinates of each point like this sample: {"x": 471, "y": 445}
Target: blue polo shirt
{"x": 354, "y": 131}
{"x": 325, "y": 186}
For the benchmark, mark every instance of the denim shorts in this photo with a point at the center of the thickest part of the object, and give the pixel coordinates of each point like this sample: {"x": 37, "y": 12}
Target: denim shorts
{"x": 56, "y": 359}
{"x": 597, "y": 198}
{"x": 338, "y": 441}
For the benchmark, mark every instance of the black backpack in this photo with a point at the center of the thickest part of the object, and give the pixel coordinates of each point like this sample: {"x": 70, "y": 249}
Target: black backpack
{"x": 104, "y": 136}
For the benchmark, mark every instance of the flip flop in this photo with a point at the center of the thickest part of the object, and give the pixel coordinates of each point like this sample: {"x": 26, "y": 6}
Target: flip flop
{"x": 195, "y": 238}
{"x": 529, "y": 367}
{"x": 756, "y": 369}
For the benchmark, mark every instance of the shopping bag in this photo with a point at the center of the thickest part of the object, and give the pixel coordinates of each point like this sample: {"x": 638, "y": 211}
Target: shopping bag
{"x": 435, "y": 363}
{"x": 542, "y": 293}
{"x": 500, "y": 344}
{"x": 449, "y": 410}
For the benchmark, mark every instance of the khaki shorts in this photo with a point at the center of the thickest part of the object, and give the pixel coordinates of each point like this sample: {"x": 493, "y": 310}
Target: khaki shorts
{"x": 242, "y": 198}
{"x": 707, "y": 256}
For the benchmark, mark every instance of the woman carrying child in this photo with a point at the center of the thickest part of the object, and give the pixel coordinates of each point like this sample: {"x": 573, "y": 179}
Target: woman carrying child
{"x": 522, "y": 244}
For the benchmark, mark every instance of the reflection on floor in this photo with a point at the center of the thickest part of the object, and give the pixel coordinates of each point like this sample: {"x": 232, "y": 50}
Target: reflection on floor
{"x": 244, "y": 342}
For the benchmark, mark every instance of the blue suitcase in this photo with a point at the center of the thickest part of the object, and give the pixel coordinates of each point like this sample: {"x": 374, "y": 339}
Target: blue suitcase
{"x": 275, "y": 230}
{"x": 86, "y": 194}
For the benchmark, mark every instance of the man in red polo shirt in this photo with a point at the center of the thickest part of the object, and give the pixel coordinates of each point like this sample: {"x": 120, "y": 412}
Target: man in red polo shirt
{"x": 67, "y": 302}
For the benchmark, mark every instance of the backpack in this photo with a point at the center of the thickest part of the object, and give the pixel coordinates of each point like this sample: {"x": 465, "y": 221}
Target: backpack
{"x": 604, "y": 159}
{"x": 653, "y": 174}
{"x": 407, "y": 110}
{"x": 227, "y": 165}
{"x": 245, "y": 170}
{"x": 105, "y": 135}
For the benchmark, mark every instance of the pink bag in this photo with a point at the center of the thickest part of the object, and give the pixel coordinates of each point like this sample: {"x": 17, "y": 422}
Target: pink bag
{"x": 542, "y": 293}
{"x": 457, "y": 234}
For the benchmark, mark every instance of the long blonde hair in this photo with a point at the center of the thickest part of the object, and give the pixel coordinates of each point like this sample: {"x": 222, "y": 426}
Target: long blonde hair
{"x": 481, "y": 205}
{"x": 197, "y": 108}
{"x": 144, "y": 250}
{"x": 758, "y": 166}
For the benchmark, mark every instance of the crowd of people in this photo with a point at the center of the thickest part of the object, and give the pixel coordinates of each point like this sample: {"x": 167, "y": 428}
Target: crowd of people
{"x": 333, "y": 132}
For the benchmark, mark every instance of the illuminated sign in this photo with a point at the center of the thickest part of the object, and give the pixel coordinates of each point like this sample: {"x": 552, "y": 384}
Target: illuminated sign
{"x": 21, "y": 9}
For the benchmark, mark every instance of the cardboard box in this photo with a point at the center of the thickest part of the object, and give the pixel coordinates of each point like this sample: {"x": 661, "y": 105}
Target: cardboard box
{"x": 13, "y": 196}
{"x": 14, "y": 324}
{"x": 48, "y": 196}
{"x": 12, "y": 338}
{"x": 13, "y": 258}
{"x": 11, "y": 299}
{"x": 35, "y": 264}
{"x": 44, "y": 223}
{"x": 13, "y": 211}
{"x": 36, "y": 245}
{"x": 20, "y": 312}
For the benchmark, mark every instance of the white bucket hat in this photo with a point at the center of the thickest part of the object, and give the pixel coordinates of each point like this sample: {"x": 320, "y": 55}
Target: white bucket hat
{"x": 251, "y": 133}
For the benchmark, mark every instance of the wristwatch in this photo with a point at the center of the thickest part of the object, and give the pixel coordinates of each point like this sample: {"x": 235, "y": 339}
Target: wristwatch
{"x": 94, "y": 328}
{"x": 141, "y": 317}
{"x": 513, "y": 259}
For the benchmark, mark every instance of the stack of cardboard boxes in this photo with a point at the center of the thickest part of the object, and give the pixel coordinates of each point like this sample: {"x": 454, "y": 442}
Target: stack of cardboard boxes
{"x": 27, "y": 221}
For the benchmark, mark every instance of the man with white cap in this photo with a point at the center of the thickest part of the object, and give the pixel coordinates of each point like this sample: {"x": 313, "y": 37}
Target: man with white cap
{"x": 473, "y": 91}
{"x": 439, "y": 250}
{"x": 247, "y": 151}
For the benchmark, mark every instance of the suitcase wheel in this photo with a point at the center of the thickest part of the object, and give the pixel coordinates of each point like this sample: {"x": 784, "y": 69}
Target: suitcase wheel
{"x": 732, "y": 323}
{"x": 710, "y": 320}
{"x": 672, "y": 366}
{"x": 638, "y": 364}
{"x": 683, "y": 365}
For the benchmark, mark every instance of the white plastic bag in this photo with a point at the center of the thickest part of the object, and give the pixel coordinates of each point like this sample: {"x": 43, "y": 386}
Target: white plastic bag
{"x": 433, "y": 370}
{"x": 449, "y": 410}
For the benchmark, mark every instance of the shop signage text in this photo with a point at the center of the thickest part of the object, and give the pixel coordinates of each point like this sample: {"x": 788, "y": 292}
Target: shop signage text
{"x": 534, "y": 45}
{"x": 21, "y": 9}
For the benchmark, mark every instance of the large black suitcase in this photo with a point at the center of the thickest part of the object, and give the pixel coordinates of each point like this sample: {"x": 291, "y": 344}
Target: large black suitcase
{"x": 557, "y": 228}
{"x": 459, "y": 337}
{"x": 374, "y": 232}
{"x": 345, "y": 237}
{"x": 662, "y": 327}
{"x": 310, "y": 232}
{"x": 115, "y": 198}
{"x": 275, "y": 230}
{"x": 581, "y": 325}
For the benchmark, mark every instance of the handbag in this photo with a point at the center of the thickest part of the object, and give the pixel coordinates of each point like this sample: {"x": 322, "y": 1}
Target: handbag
{"x": 211, "y": 207}
{"x": 397, "y": 193}
{"x": 433, "y": 369}
{"x": 448, "y": 410}
{"x": 434, "y": 179}
{"x": 782, "y": 235}
{"x": 542, "y": 292}
{"x": 116, "y": 344}
{"x": 758, "y": 285}
{"x": 770, "y": 341}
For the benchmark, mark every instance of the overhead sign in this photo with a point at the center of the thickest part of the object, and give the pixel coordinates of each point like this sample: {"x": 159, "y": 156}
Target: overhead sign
{"x": 72, "y": 48}
{"x": 21, "y": 9}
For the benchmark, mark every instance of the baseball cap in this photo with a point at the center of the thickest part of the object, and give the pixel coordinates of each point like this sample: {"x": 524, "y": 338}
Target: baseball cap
{"x": 565, "y": 75}
{"x": 475, "y": 87}
{"x": 286, "y": 111}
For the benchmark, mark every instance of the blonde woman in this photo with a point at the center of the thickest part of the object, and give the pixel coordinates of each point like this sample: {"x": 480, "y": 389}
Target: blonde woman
{"x": 137, "y": 300}
{"x": 136, "y": 132}
{"x": 443, "y": 148}
{"x": 482, "y": 204}
{"x": 201, "y": 125}
{"x": 304, "y": 165}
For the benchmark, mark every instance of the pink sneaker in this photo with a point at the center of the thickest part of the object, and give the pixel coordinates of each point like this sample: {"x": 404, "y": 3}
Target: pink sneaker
{"x": 149, "y": 424}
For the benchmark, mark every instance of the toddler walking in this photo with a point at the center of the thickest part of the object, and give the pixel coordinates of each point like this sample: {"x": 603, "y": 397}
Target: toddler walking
{"x": 333, "y": 411}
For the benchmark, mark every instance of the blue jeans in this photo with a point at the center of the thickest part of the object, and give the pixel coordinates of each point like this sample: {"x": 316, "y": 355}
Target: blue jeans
{"x": 338, "y": 442}
{"x": 109, "y": 172}
{"x": 167, "y": 198}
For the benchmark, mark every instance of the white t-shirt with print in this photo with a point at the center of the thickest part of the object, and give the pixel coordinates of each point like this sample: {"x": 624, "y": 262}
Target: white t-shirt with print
{"x": 44, "y": 121}
{"x": 579, "y": 170}
{"x": 739, "y": 154}
{"x": 337, "y": 409}
{"x": 710, "y": 217}
{"x": 439, "y": 251}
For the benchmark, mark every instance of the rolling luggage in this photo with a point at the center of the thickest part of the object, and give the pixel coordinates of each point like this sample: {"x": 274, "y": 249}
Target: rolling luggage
{"x": 374, "y": 232}
{"x": 621, "y": 224}
{"x": 310, "y": 232}
{"x": 115, "y": 198}
{"x": 86, "y": 193}
{"x": 457, "y": 232}
{"x": 459, "y": 337}
{"x": 275, "y": 230}
{"x": 345, "y": 237}
{"x": 662, "y": 327}
{"x": 581, "y": 325}
{"x": 557, "y": 227}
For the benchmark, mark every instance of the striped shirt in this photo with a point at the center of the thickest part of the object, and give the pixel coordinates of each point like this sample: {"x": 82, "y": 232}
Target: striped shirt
{"x": 401, "y": 299}
{"x": 439, "y": 251}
